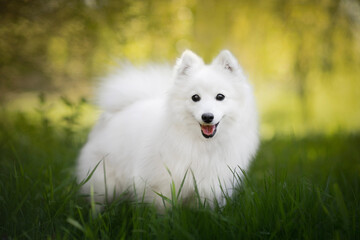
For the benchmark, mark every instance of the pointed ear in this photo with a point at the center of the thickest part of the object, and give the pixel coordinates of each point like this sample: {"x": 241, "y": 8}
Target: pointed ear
{"x": 187, "y": 62}
{"x": 226, "y": 61}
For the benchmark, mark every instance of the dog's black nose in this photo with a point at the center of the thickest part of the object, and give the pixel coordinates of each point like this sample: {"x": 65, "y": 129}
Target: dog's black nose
{"x": 207, "y": 117}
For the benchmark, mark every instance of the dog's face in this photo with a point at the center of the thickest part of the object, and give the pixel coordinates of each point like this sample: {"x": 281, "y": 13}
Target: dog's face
{"x": 209, "y": 100}
{"x": 209, "y": 93}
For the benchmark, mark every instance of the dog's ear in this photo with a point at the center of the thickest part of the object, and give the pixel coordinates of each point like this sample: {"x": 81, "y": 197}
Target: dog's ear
{"x": 226, "y": 61}
{"x": 187, "y": 62}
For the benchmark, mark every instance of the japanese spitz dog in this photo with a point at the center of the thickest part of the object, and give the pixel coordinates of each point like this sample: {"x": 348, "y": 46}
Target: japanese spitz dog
{"x": 192, "y": 131}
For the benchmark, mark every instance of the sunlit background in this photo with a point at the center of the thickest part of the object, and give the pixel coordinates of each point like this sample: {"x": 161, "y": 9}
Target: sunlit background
{"x": 302, "y": 56}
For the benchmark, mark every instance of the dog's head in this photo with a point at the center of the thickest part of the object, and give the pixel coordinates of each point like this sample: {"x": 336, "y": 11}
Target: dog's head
{"x": 208, "y": 95}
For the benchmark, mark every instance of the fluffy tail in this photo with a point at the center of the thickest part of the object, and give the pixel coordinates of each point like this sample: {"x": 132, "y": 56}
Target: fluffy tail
{"x": 130, "y": 84}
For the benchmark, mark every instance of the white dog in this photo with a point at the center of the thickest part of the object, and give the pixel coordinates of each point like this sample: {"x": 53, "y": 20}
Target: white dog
{"x": 197, "y": 126}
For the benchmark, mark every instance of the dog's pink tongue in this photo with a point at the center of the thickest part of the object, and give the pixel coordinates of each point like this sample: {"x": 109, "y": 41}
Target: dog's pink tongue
{"x": 208, "y": 129}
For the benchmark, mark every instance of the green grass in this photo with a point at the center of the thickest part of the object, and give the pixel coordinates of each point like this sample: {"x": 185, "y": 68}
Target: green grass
{"x": 296, "y": 188}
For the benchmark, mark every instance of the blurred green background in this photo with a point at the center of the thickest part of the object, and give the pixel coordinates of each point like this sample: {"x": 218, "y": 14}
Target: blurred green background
{"x": 302, "y": 56}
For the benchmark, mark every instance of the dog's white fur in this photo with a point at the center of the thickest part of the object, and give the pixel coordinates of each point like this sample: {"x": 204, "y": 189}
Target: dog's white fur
{"x": 149, "y": 134}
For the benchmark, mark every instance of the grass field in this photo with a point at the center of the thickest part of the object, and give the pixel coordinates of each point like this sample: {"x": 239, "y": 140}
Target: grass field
{"x": 296, "y": 188}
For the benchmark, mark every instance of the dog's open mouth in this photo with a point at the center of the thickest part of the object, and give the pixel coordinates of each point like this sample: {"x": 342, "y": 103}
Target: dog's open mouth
{"x": 207, "y": 130}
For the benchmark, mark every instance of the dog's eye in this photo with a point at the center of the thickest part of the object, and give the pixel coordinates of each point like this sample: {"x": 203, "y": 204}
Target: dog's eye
{"x": 195, "y": 98}
{"x": 220, "y": 97}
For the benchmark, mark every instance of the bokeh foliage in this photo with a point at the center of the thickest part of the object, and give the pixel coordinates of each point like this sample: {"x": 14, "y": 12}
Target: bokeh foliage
{"x": 303, "y": 56}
